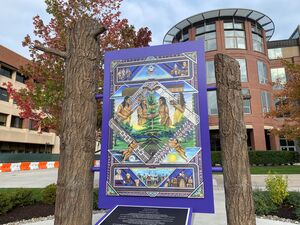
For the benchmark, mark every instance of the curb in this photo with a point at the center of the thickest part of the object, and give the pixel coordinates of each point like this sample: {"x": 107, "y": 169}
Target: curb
{"x": 23, "y": 166}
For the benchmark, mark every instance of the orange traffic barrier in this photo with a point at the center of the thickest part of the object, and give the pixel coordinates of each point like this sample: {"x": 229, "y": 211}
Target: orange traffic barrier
{"x": 56, "y": 164}
{"x": 6, "y": 167}
{"x": 42, "y": 165}
{"x": 25, "y": 166}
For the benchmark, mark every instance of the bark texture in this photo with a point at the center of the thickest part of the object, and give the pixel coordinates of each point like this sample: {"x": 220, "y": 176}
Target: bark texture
{"x": 74, "y": 200}
{"x": 237, "y": 180}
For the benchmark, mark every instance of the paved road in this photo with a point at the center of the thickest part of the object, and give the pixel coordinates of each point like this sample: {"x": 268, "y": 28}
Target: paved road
{"x": 218, "y": 218}
{"x": 32, "y": 178}
{"x": 41, "y": 178}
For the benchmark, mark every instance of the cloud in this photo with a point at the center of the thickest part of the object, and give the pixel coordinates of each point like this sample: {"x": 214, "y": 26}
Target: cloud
{"x": 159, "y": 15}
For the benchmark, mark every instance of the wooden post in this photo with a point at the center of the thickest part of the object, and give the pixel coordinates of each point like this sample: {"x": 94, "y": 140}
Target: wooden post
{"x": 233, "y": 136}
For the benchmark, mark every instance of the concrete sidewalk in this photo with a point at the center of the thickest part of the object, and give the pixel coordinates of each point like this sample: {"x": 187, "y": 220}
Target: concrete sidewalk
{"x": 219, "y": 218}
{"x": 28, "y": 179}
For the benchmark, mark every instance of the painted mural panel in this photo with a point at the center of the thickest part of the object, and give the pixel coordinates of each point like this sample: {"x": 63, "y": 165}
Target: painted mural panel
{"x": 154, "y": 128}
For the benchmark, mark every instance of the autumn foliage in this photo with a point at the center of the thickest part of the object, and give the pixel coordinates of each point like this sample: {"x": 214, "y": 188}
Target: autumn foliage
{"x": 287, "y": 103}
{"x": 42, "y": 98}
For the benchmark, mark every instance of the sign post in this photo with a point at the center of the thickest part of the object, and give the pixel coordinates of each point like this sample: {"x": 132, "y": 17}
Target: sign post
{"x": 155, "y": 144}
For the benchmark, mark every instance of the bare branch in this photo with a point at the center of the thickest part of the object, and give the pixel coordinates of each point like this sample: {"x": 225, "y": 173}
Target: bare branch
{"x": 99, "y": 31}
{"x": 51, "y": 51}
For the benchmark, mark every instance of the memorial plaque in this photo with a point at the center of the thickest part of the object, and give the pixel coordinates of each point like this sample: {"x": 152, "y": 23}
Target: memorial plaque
{"x": 139, "y": 215}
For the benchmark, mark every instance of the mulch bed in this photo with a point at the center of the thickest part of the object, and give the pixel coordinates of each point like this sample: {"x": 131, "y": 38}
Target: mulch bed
{"x": 27, "y": 212}
{"x": 286, "y": 211}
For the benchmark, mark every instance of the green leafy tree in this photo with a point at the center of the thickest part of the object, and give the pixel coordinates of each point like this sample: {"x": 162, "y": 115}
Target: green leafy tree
{"x": 42, "y": 98}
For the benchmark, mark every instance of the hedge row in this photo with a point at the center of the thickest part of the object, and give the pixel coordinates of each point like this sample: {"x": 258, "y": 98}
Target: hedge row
{"x": 21, "y": 197}
{"x": 256, "y": 157}
{"x": 31, "y": 157}
{"x": 12, "y": 198}
{"x": 263, "y": 158}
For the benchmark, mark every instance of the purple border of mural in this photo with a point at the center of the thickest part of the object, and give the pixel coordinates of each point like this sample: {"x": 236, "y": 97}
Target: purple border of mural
{"x": 204, "y": 205}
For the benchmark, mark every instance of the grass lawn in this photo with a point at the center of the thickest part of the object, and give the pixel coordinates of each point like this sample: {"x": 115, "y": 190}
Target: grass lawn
{"x": 275, "y": 169}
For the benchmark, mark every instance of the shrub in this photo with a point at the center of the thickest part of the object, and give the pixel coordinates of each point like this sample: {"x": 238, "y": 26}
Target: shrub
{"x": 22, "y": 197}
{"x": 5, "y": 203}
{"x": 95, "y": 198}
{"x": 273, "y": 157}
{"x": 276, "y": 185}
{"x": 263, "y": 157}
{"x": 263, "y": 203}
{"x": 216, "y": 158}
{"x": 49, "y": 194}
{"x": 294, "y": 199}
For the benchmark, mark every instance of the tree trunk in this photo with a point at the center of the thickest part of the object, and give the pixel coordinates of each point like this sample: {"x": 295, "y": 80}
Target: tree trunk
{"x": 237, "y": 179}
{"x": 74, "y": 201}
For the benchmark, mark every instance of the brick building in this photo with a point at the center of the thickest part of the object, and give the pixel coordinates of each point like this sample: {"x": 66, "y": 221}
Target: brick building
{"x": 17, "y": 134}
{"x": 243, "y": 34}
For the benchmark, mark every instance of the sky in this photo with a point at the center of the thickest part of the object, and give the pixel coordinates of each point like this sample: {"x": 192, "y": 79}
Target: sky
{"x": 159, "y": 15}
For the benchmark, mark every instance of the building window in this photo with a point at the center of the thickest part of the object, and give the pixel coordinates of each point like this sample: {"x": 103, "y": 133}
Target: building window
{"x": 4, "y": 95}
{"x": 3, "y": 118}
{"x": 278, "y": 78}
{"x": 287, "y": 145}
{"x": 16, "y": 122}
{"x": 20, "y": 78}
{"x": 184, "y": 36}
{"x": 212, "y": 103}
{"x": 6, "y": 72}
{"x": 234, "y": 35}
{"x": 257, "y": 38}
{"x": 265, "y": 101}
{"x": 210, "y": 72}
{"x": 33, "y": 125}
{"x": 243, "y": 69}
{"x": 208, "y": 33}
{"x": 262, "y": 72}
{"x": 246, "y": 102}
{"x": 275, "y": 53}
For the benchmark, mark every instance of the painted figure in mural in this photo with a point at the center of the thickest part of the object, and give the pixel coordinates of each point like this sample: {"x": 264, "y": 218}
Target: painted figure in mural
{"x": 173, "y": 143}
{"x": 179, "y": 109}
{"x": 127, "y": 73}
{"x": 128, "y": 152}
{"x": 164, "y": 112}
{"x": 184, "y": 71}
{"x": 142, "y": 112}
{"x": 137, "y": 182}
{"x": 128, "y": 181}
{"x": 175, "y": 71}
{"x": 148, "y": 180}
{"x": 174, "y": 182}
{"x": 118, "y": 177}
{"x": 189, "y": 182}
{"x": 124, "y": 110}
{"x": 181, "y": 180}
{"x": 167, "y": 184}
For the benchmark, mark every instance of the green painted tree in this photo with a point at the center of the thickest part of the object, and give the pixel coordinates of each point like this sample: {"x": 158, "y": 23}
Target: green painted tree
{"x": 152, "y": 125}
